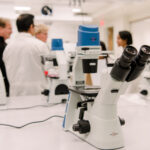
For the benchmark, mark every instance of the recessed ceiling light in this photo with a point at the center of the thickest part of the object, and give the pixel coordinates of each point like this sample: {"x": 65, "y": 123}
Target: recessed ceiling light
{"x": 76, "y": 10}
{"x": 22, "y": 8}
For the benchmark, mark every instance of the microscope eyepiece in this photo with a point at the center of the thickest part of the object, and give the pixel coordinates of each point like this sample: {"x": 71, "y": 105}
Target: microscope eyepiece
{"x": 130, "y": 51}
{"x": 127, "y": 57}
{"x": 143, "y": 55}
{"x": 138, "y": 64}
{"x": 122, "y": 66}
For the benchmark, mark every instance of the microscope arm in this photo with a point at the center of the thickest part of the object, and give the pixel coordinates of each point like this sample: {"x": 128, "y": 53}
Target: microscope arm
{"x": 85, "y": 57}
{"x": 62, "y": 65}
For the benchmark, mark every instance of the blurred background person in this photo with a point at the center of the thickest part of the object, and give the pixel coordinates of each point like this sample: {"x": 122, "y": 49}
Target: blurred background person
{"x": 124, "y": 38}
{"x": 22, "y": 59}
{"x": 41, "y": 32}
{"x": 103, "y": 46}
{"x": 5, "y": 32}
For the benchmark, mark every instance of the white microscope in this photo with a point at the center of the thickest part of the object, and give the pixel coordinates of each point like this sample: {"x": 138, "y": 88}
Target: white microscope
{"x": 91, "y": 114}
{"x": 57, "y": 73}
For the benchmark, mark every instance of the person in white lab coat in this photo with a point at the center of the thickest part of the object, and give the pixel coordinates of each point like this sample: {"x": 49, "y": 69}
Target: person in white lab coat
{"x": 22, "y": 58}
{"x": 41, "y": 32}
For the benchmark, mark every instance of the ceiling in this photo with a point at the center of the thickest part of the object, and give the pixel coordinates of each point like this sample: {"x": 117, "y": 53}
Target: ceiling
{"x": 63, "y": 8}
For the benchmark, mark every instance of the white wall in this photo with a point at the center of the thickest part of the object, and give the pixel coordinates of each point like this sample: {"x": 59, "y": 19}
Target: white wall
{"x": 64, "y": 30}
{"x": 6, "y": 10}
{"x": 141, "y": 32}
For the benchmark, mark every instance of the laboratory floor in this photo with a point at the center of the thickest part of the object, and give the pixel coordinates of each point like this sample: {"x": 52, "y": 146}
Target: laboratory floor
{"x": 50, "y": 135}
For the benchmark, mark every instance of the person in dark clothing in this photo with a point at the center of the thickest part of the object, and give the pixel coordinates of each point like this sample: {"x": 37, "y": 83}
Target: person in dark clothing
{"x": 103, "y": 46}
{"x": 5, "y": 32}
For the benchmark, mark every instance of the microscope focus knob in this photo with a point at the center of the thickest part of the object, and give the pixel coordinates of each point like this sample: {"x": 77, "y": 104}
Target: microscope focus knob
{"x": 122, "y": 121}
{"x": 76, "y": 127}
{"x": 45, "y": 92}
{"x": 83, "y": 126}
{"x": 144, "y": 92}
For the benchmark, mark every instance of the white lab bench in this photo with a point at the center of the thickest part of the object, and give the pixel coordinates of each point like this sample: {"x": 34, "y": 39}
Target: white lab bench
{"x": 49, "y": 135}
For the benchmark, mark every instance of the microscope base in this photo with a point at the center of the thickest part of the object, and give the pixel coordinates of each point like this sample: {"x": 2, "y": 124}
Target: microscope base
{"x": 58, "y": 91}
{"x": 104, "y": 133}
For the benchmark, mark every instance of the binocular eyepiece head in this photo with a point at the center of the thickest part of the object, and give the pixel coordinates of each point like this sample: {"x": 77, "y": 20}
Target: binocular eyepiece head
{"x": 130, "y": 65}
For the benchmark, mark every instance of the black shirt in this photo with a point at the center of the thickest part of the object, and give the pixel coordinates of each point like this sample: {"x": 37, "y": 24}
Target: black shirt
{"x": 2, "y": 65}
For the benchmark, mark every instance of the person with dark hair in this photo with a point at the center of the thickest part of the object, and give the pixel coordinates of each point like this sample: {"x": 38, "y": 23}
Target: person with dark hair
{"x": 25, "y": 23}
{"x": 5, "y": 32}
{"x": 124, "y": 38}
{"x": 22, "y": 59}
{"x": 103, "y": 46}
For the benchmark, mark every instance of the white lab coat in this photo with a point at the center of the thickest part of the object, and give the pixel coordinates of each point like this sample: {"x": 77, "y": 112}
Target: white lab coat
{"x": 22, "y": 58}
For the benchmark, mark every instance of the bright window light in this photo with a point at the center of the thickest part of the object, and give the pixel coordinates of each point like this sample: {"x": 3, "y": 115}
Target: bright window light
{"x": 22, "y": 8}
{"x": 76, "y": 10}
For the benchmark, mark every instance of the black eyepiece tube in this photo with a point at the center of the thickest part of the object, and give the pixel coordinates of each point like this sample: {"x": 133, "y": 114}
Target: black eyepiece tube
{"x": 138, "y": 64}
{"x": 122, "y": 66}
{"x": 143, "y": 55}
{"x": 128, "y": 55}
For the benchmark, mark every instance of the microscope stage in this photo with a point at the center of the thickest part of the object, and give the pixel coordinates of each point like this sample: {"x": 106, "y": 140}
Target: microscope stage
{"x": 90, "y": 91}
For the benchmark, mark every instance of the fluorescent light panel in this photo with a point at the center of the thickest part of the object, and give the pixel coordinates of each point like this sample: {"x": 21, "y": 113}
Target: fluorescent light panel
{"x": 22, "y": 8}
{"x": 76, "y": 10}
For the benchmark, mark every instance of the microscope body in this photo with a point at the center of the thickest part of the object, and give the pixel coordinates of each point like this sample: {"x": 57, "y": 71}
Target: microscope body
{"x": 91, "y": 114}
{"x": 85, "y": 62}
{"x": 101, "y": 125}
{"x": 58, "y": 77}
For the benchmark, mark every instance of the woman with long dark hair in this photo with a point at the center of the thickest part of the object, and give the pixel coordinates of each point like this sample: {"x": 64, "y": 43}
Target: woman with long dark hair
{"x": 124, "y": 38}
